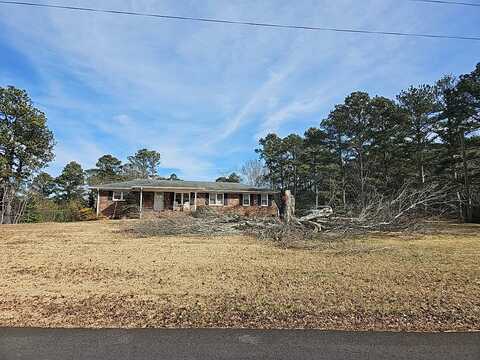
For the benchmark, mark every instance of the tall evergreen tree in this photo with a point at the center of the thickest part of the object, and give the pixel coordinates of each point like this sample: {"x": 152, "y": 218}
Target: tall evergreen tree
{"x": 70, "y": 183}
{"x": 388, "y": 129}
{"x": 107, "y": 169}
{"x": 26, "y": 146}
{"x": 353, "y": 120}
{"x": 421, "y": 108}
{"x": 369, "y": 148}
{"x": 43, "y": 184}
{"x": 460, "y": 119}
{"x": 144, "y": 164}
{"x": 232, "y": 178}
{"x": 292, "y": 147}
{"x": 317, "y": 159}
{"x": 273, "y": 153}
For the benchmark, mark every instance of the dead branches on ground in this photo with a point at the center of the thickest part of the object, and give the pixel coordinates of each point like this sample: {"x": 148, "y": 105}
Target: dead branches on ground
{"x": 403, "y": 211}
{"x": 184, "y": 225}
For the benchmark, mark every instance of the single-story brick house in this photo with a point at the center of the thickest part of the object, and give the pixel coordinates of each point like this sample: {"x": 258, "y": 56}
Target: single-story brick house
{"x": 152, "y": 195}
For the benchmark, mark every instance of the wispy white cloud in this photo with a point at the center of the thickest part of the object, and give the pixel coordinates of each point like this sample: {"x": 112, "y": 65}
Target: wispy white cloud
{"x": 201, "y": 94}
{"x": 261, "y": 97}
{"x": 290, "y": 111}
{"x": 82, "y": 151}
{"x": 174, "y": 146}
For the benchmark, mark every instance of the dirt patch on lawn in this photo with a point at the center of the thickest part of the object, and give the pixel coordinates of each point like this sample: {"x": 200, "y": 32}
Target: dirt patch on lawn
{"x": 93, "y": 275}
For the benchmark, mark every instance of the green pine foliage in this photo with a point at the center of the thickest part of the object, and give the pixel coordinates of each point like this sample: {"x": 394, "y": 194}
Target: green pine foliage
{"x": 371, "y": 147}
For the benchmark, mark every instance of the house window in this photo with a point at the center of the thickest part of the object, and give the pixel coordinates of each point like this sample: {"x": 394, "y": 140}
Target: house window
{"x": 117, "y": 196}
{"x": 264, "y": 200}
{"x": 178, "y": 198}
{"x": 246, "y": 200}
{"x": 215, "y": 198}
{"x": 182, "y": 198}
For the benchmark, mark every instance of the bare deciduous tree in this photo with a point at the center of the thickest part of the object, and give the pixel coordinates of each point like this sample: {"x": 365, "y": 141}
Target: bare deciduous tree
{"x": 254, "y": 173}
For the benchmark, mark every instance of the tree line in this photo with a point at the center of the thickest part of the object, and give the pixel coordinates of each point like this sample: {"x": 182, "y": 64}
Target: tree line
{"x": 29, "y": 194}
{"x": 67, "y": 197}
{"x": 26, "y": 147}
{"x": 372, "y": 147}
{"x": 367, "y": 148}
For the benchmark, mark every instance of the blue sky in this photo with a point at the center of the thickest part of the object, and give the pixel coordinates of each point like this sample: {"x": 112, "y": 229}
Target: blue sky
{"x": 202, "y": 94}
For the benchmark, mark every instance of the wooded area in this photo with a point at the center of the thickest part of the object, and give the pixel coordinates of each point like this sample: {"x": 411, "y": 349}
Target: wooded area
{"x": 373, "y": 150}
{"x": 372, "y": 157}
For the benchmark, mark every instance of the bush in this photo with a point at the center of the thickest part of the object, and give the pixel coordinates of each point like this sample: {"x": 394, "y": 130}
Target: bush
{"x": 87, "y": 214}
{"x": 40, "y": 209}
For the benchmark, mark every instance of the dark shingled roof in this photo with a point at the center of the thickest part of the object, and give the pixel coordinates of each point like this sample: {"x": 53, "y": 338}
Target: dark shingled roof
{"x": 177, "y": 184}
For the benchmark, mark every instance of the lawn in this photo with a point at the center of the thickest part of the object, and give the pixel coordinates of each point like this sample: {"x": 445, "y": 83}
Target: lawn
{"x": 93, "y": 275}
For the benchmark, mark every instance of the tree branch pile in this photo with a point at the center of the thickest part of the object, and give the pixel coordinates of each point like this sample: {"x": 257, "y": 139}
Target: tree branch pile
{"x": 405, "y": 210}
{"x": 184, "y": 225}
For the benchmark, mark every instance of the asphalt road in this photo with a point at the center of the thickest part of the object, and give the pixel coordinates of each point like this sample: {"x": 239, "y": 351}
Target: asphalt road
{"x": 213, "y": 344}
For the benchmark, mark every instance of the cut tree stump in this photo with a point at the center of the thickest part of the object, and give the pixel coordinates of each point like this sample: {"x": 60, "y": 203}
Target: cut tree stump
{"x": 289, "y": 206}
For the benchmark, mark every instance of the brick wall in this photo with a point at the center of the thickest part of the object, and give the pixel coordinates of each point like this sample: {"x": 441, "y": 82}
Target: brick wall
{"x": 108, "y": 207}
{"x": 232, "y": 203}
{"x": 114, "y": 209}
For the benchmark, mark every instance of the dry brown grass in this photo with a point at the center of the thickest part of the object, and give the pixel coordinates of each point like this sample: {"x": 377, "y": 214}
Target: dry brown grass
{"x": 91, "y": 275}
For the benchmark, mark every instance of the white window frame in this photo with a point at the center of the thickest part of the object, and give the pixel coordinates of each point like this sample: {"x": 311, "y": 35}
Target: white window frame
{"x": 213, "y": 199}
{"x": 121, "y": 198}
{"x": 182, "y": 199}
{"x": 247, "y": 196}
{"x": 264, "y": 197}
{"x": 186, "y": 199}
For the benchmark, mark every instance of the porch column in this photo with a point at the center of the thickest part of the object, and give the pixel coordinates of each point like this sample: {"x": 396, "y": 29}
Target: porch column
{"x": 98, "y": 202}
{"x": 195, "y": 202}
{"x": 141, "y": 202}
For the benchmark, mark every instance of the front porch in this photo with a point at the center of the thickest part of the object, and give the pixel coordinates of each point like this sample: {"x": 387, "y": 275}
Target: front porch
{"x": 158, "y": 201}
{"x": 134, "y": 202}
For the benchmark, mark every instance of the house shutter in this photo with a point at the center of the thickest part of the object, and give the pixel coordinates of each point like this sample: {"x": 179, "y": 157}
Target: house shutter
{"x": 270, "y": 199}
{"x": 110, "y": 195}
{"x": 259, "y": 200}
{"x": 225, "y": 199}
{"x": 241, "y": 199}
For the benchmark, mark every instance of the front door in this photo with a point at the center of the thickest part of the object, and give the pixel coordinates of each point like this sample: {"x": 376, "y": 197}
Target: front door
{"x": 158, "y": 204}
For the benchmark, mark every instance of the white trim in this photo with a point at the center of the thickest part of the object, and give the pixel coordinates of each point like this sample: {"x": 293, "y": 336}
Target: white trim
{"x": 182, "y": 199}
{"x": 201, "y": 190}
{"x": 249, "y": 199}
{"x": 262, "y": 197}
{"x": 223, "y": 199}
{"x": 177, "y": 189}
{"x": 215, "y": 196}
{"x": 117, "y": 199}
